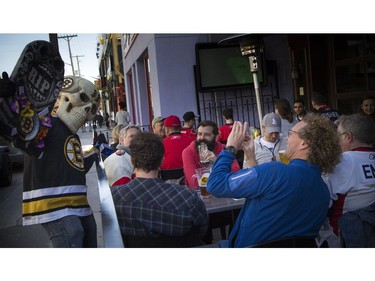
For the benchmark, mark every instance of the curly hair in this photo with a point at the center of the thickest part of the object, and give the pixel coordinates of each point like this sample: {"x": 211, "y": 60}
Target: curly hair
{"x": 321, "y": 136}
{"x": 147, "y": 151}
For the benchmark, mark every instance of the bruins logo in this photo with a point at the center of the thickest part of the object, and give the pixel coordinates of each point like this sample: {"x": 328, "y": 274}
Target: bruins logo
{"x": 73, "y": 153}
{"x": 28, "y": 126}
{"x": 68, "y": 83}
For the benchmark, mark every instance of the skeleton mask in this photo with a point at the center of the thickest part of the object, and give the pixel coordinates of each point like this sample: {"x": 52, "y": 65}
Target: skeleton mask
{"x": 79, "y": 102}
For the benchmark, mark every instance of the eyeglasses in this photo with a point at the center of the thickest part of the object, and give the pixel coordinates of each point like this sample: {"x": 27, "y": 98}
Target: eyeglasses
{"x": 290, "y": 132}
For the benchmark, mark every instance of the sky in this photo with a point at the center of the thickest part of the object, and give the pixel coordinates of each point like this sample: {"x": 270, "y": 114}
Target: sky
{"x": 82, "y": 46}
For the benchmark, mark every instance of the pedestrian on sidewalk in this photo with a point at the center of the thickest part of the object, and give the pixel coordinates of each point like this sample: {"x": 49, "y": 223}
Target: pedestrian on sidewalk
{"x": 122, "y": 116}
{"x": 106, "y": 120}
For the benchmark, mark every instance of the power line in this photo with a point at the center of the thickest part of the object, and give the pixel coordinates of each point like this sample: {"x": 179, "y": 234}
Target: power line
{"x": 68, "y": 38}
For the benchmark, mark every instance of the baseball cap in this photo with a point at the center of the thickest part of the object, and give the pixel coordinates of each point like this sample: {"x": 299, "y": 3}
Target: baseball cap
{"x": 172, "y": 121}
{"x": 157, "y": 120}
{"x": 272, "y": 122}
{"x": 189, "y": 116}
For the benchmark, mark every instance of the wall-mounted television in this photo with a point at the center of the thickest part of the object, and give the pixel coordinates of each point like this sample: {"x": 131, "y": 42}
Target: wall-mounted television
{"x": 223, "y": 67}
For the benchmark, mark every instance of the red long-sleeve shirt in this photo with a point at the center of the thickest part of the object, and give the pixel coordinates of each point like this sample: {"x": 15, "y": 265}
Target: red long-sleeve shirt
{"x": 191, "y": 161}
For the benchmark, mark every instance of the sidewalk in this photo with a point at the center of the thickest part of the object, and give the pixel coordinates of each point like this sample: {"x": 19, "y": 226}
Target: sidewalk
{"x": 34, "y": 236}
{"x": 92, "y": 181}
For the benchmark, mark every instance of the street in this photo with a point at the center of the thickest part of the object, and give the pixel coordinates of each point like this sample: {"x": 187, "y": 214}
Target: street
{"x": 10, "y": 199}
{"x": 13, "y": 234}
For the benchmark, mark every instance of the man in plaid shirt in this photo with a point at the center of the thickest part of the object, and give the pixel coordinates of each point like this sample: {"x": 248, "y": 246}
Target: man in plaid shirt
{"x": 149, "y": 207}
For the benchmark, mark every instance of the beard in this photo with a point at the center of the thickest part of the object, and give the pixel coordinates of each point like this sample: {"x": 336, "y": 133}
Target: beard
{"x": 210, "y": 144}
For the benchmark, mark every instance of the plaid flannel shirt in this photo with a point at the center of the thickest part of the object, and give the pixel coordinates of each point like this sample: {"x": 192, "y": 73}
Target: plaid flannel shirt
{"x": 150, "y": 207}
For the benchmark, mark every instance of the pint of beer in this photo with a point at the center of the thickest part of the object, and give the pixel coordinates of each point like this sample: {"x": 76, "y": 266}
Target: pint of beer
{"x": 283, "y": 158}
{"x": 202, "y": 177}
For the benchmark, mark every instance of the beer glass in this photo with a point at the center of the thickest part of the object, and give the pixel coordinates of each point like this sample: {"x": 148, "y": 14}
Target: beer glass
{"x": 201, "y": 149}
{"x": 283, "y": 158}
{"x": 202, "y": 175}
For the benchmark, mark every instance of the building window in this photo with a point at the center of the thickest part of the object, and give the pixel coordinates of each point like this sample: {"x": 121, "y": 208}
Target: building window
{"x": 354, "y": 61}
{"x": 350, "y": 78}
{"x": 348, "y": 46}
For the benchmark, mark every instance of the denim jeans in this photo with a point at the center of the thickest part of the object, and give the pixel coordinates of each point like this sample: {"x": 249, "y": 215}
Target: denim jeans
{"x": 357, "y": 228}
{"x": 72, "y": 232}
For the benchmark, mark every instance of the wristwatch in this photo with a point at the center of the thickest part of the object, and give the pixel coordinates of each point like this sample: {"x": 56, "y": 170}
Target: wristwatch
{"x": 231, "y": 149}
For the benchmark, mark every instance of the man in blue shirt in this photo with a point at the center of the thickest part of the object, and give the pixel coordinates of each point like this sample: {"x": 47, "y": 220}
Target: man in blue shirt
{"x": 283, "y": 201}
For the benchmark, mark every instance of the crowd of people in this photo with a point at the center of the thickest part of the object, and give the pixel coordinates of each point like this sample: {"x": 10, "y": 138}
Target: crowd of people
{"x": 325, "y": 194}
{"x": 280, "y": 202}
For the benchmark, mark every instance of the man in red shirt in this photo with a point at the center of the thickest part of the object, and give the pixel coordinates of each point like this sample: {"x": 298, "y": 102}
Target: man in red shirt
{"x": 227, "y": 127}
{"x": 208, "y": 133}
{"x": 189, "y": 122}
{"x": 174, "y": 143}
{"x": 225, "y": 131}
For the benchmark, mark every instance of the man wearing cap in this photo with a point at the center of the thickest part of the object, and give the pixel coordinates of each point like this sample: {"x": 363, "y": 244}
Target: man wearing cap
{"x": 267, "y": 146}
{"x": 174, "y": 143}
{"x": 189, "y": 122}
{"x": 158, "y": 126}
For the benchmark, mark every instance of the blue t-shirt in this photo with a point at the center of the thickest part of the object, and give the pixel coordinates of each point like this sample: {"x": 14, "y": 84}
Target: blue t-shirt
{"x": 282, "y": 200}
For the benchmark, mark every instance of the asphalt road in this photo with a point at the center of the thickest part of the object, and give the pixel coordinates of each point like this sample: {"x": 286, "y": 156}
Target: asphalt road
{"x": 13, "y": 234}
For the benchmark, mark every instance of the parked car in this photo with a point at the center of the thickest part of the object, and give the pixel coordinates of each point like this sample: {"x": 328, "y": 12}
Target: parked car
{"x": 5, "y": 167}
{"x": 16, "y": 155}
{"x": 9, "y": 157}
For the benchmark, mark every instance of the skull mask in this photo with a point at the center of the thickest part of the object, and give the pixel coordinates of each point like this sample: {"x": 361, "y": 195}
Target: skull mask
{"x": 79, "y": 102}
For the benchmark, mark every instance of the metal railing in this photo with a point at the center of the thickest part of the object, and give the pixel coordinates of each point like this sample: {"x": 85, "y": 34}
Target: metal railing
{"x": 111, "y": 229}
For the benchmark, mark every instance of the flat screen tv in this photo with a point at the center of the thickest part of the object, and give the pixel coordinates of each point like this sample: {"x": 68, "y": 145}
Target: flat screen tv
{"x": 223, "y": 67}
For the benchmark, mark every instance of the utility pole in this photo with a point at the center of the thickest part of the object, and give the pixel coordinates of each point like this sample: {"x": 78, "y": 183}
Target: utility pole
{"x": 53, "y": 40}
{"x": 79, "y": 71}
{"x": 68, "y": 38}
